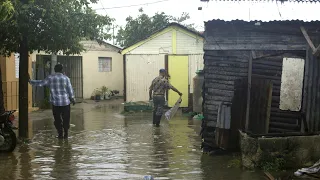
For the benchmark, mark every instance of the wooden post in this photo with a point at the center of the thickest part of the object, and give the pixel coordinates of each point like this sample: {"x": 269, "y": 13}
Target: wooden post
{"x": 2, "y": 109}
{"x": 260, "y": 105}
{"x": 53, "y": 62}
{"x": 248, "y": 91}
{"x": 305, "y": 34}
{"x": 317, "y": 51}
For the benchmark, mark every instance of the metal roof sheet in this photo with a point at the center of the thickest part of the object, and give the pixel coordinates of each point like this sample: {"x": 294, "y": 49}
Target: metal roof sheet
{"x": 300, "y": 1}
{"x": 270, "y": 21}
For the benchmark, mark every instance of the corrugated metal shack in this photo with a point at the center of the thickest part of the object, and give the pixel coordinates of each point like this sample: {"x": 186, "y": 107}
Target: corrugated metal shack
{"x": 239, "y": 50}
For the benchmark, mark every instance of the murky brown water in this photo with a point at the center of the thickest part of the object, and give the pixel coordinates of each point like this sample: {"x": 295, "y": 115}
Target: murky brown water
{"x": 106, "y": 145}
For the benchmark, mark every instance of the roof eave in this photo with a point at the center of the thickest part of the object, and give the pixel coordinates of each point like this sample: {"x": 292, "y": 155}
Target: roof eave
{"x": 160, "y": 31}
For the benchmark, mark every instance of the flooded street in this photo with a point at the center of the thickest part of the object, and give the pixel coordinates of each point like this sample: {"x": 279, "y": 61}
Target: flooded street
{"x": 105, "y": 144}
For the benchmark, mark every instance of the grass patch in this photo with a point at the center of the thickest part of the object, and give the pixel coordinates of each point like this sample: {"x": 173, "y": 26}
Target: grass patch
{"x": 272, "y": 162}
{"x": 235, "y": 163}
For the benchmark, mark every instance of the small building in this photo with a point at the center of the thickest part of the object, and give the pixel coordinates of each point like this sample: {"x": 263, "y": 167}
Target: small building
{"x": 100, "y": 65}
{"x": 267, "y": 73}
{"x": 175, "y": 48}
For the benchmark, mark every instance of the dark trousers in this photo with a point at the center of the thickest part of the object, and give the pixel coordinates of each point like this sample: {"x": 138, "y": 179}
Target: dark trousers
{"x": 158, "y": 105}
{"x": 61, "y": 116}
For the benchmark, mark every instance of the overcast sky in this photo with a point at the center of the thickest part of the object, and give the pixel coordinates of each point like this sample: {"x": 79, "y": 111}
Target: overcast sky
{"x": 265, "y": 11}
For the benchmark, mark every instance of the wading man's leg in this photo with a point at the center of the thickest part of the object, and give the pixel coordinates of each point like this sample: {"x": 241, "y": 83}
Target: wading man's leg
{"x": 159, "y": 110}
{"x": 66, "y": 120}
{"x": 57, "y": 112}
{"x": 155, "y": 108}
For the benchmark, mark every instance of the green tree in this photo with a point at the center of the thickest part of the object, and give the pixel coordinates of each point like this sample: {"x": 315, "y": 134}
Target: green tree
{"x": 50, "y": 26}
{"x": 6, "y": 10}
{"x": 136, "y": 29}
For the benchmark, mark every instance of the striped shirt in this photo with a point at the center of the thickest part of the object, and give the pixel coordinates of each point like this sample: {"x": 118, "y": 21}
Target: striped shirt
{"x": 60, "y": 88}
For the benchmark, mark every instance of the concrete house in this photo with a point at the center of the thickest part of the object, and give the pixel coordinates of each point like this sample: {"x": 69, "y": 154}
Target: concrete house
{"x": 174, "y": 47}
{"x": 100, "y": 65}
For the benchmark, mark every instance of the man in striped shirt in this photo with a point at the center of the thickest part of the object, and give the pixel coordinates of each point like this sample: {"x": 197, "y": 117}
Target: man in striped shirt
{"x": 61, "y": 95}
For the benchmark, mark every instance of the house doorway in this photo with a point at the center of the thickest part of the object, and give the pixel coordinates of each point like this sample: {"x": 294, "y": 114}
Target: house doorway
{"x": 178, "y": 69}
{"x": 72, "y": 68}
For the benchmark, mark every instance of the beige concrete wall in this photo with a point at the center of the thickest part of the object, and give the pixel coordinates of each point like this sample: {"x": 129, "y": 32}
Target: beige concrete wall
{"x": 10, "y": 84}
{"x": 93, "y": 79}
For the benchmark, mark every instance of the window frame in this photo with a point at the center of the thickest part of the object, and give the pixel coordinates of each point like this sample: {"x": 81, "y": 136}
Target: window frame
{"x": 102, "y": 60}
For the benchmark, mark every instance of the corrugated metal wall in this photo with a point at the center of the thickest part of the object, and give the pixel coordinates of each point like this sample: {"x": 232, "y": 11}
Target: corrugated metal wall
{"x": 195, "y": 64}
{"x": 221, "y": 69}
{"x": 311, "y": 94}
{"x": 140, "y": 71}
{"x": 72, "y": 66}
{"x": 270, "y": 67}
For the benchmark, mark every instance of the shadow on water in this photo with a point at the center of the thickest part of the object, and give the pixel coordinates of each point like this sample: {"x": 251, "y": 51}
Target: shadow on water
{"x": 107, "y": 145}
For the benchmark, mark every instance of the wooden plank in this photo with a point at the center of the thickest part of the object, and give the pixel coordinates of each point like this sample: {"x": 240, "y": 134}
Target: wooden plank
{"x": 248, "y": 92}
{"x": 260, "y": 105}
{"x": 306, "y": 36}
{"x": 238, "y": 110}
{"x": 210, "y": 46}
{"x": 317, "y": 51}
{"x": 268, "y": 110}
{"x": 293, "y": 127}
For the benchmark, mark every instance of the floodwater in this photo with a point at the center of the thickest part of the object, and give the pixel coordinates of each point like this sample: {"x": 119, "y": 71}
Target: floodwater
{"x": 104, "y": 144}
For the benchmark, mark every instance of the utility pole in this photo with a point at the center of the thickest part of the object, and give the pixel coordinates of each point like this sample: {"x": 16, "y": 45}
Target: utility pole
{"x": 113, "y": 34}
{"x": 54, "y": 59}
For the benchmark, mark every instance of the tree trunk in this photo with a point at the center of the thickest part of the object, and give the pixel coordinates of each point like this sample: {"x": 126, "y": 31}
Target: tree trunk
{"x": 2, "y": 109}
{"x": 23, "y": 88}
{"x": 54, "y": 60}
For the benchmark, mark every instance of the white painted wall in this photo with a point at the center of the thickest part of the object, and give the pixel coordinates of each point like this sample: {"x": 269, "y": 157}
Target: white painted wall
{"x": 187, "y": 44}
{"x": 140, "y": 71}
{"x": 159, "y": 45}
{"x": 143, "y": 63}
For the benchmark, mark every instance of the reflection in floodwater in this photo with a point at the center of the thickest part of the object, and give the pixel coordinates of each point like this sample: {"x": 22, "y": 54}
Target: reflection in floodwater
{"x": 63, "y": 167}
{"x": 104, "y": 144}
{"x": 160, "y": 161}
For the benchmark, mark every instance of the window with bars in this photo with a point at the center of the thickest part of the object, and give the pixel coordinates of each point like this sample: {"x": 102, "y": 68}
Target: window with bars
{"x": 105, "y": 64}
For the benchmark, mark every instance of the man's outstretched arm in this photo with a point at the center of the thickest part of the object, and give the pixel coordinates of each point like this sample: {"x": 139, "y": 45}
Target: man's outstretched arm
{"x": 176, "y": 90}
{"x": 39, "y": 83}
{"x": 173, "y": 89}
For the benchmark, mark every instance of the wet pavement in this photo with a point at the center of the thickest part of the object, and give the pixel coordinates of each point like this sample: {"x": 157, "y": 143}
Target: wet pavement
{"x": 104, "y": 144}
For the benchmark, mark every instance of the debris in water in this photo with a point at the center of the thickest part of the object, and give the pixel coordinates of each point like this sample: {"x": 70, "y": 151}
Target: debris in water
{"x": 148, "y": 178}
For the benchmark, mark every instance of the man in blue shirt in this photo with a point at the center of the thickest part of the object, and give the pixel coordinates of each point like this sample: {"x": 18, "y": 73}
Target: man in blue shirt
{"x": 61, "y": 95}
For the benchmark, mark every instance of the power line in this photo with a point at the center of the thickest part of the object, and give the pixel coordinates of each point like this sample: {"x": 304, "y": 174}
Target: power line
{"x": 279, "y": 9}
{"x": 133, "y": 5}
